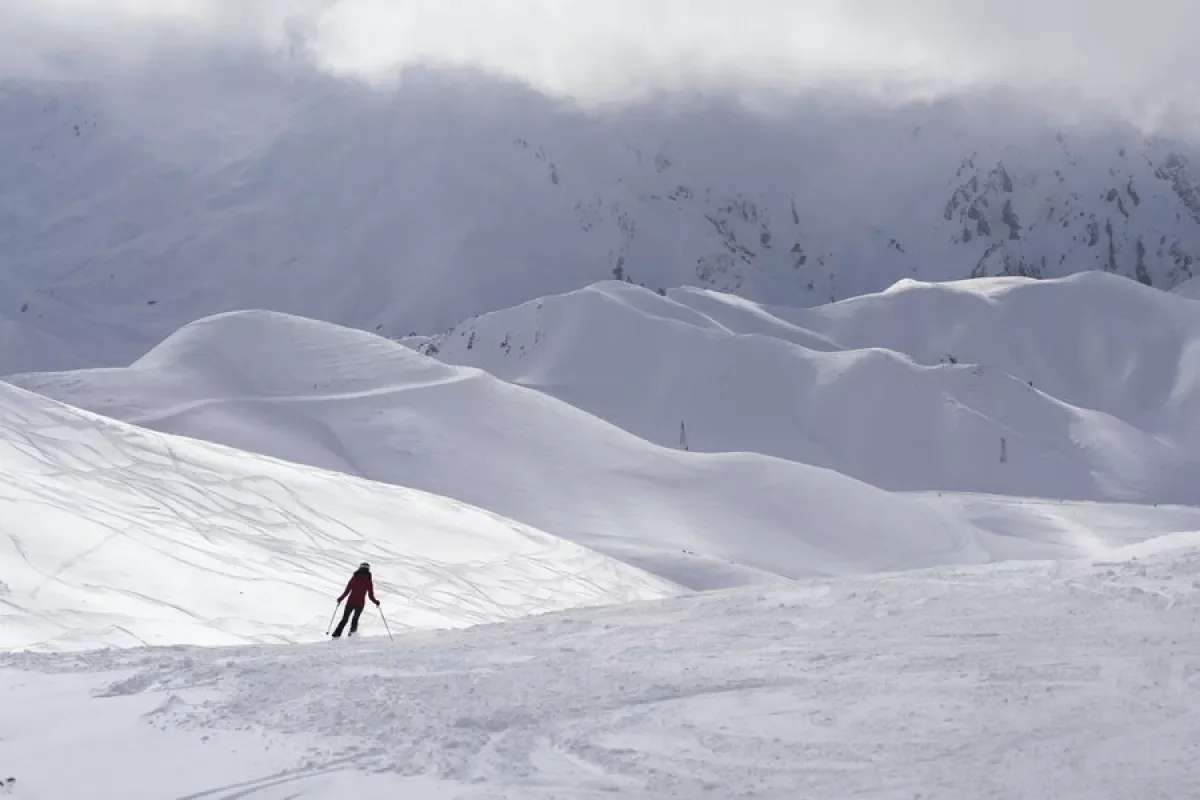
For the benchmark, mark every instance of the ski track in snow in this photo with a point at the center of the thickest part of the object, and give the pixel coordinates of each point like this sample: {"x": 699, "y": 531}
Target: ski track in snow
{"x": 1071, "y": 680}
{"x": 111, "y": 535}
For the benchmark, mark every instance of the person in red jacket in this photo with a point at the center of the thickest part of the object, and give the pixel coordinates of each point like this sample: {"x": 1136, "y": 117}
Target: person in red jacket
{"x": 359, "y": 588}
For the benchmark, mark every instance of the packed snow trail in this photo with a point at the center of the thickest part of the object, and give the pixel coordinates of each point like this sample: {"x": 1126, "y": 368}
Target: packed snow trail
{"x": 112, "y": 535}
{"x": 1066, "y": 680}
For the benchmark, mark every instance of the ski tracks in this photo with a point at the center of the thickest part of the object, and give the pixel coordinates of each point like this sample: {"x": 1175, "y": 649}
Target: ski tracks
{"x": 1073, "y": 681}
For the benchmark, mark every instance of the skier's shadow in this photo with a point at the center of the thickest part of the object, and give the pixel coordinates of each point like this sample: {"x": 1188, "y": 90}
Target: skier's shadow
{"x": 247, "y": 788}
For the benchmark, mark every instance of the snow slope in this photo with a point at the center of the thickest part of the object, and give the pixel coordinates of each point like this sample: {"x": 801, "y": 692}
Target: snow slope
{"x": 1083, "y": 387}
{"x": 1070, "y": 680}
{"x": 408, "y": 210}
{"x": 342, "y": 399}
{"x": 117, "y": 536}
{"x": 1189, "y": 289}
{"x": 1094, "y": 340}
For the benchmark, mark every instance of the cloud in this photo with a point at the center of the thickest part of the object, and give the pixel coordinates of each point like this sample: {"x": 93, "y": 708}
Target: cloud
{"x": 58, "y": 35}
{"x": 606, "y": 50}
{"x": 618, "y": 48}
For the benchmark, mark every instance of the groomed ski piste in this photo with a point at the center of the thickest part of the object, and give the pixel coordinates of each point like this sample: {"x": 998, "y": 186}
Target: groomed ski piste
{"x": 1075, "y": 680}
{"x": 579, "y": 611}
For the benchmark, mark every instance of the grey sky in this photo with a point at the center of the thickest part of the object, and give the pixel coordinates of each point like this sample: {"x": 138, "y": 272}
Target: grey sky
{"x": 1137, "y": 56}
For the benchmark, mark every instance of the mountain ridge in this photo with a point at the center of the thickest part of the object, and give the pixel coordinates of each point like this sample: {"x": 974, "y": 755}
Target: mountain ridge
{"x": 394, "y": 210}
{"x": 1081, "y": 387}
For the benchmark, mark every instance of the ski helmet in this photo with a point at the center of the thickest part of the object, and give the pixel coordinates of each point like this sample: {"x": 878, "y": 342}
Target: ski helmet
{"x": 364, "y": 565}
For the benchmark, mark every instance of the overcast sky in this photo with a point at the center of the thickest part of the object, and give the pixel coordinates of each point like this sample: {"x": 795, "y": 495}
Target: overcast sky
{"x": 1134, "y": 55}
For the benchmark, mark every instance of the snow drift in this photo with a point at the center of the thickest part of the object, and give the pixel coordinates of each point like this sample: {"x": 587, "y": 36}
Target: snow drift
{"x": 1081, "y": 388}
{"x": 117, "y": 536}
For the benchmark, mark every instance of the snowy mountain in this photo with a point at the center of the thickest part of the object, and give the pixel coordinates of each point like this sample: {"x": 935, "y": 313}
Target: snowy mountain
{"x": 766, "y": 445}
{"x": 118, "y": 537}
{"x": 351, "y": 401}
{"x": 1189, "y": 289}
{"x": 342, "y": 399}
{"x": 411, "y": 210}
{"x": 1081, "y": 387}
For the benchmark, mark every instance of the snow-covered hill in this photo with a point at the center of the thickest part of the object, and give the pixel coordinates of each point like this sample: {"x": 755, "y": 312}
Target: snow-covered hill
{"x": 342, "y": 399}
{"x": 1082, "y": 387}
{"x": 115, "y": 536}
{"x": 411, "y": 209}
{"x": 1074, "y": 681}
{"x": 347, "y": 400}
{"x": 1189, "y": 289}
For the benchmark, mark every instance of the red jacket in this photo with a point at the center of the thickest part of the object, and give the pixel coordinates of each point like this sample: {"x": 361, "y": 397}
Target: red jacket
{"x": 359, "y": 588}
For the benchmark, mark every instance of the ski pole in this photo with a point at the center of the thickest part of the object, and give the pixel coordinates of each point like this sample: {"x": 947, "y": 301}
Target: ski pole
{"x": 331, "y": 619}
{"x": 385, "y": 625}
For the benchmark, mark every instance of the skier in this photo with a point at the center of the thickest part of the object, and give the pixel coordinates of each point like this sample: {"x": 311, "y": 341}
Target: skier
{"x": 358, "y": 589}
